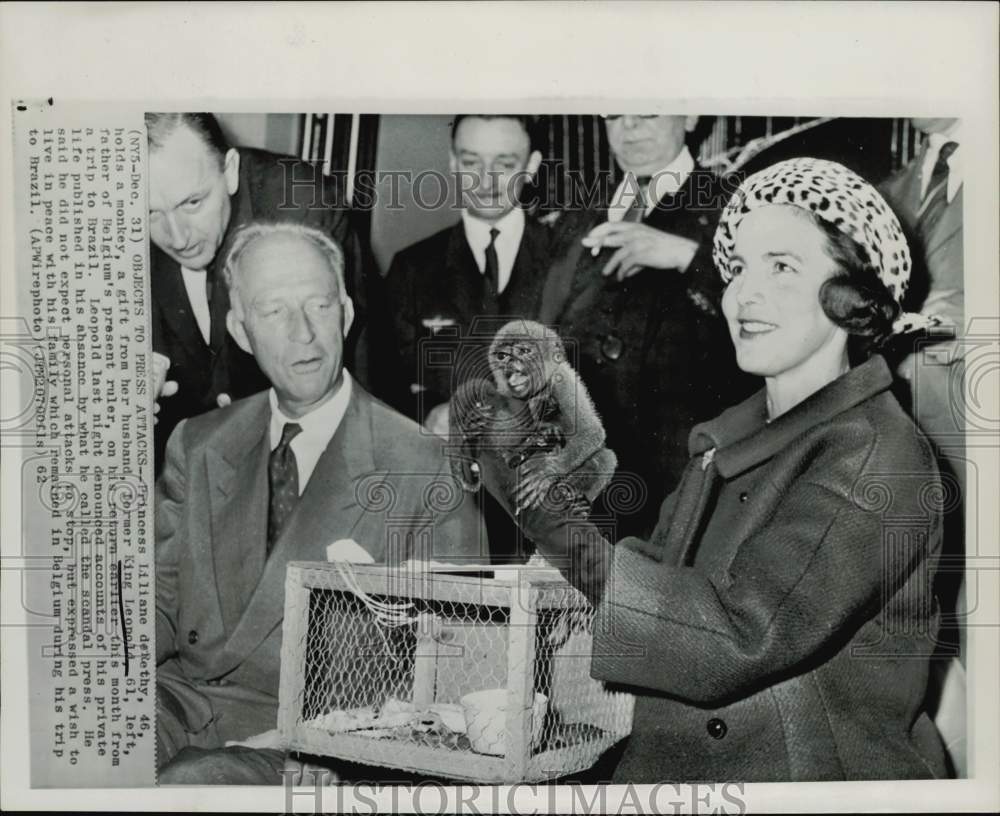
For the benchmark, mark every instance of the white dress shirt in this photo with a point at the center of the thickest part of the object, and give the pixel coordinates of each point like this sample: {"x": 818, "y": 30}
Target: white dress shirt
{"x": 318, "y": 428}
{"x": 664, "y": 182}
{"x": 477, "y": 233}
{"x": 934, "y": 143}
{"x": 194, "y": 283}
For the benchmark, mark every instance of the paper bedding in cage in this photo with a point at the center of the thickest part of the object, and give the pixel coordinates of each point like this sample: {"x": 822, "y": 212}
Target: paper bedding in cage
{"x": 392, "y": 718}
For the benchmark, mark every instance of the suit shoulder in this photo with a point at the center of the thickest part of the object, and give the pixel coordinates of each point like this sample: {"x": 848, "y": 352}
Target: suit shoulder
{"x": 257, "y": 163}
{"x": 205, "y": 427}
{"x": 315, "y": 197}
{"x": 430, "y": 248}
{"x": 401, "y": 441}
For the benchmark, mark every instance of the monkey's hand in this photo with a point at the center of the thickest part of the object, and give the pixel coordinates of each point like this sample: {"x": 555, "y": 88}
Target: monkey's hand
{"x": 535, "y": 477}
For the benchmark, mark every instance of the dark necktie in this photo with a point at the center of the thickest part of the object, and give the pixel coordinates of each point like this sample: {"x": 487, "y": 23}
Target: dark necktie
{"x": 283, "y": 476}
{"x": 936, "y": 197}
{"x": 637, "y": 209}
{"x": 492, "y": 263}
{"x": 209, "y": 292}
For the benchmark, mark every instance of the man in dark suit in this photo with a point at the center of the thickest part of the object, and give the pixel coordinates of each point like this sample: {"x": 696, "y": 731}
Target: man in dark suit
{"x": 276, "y": 477}
{"x": 200, "y": 191}
{"x": 927, "y": 197}
{"x": 449, "y": 293}
{"x": 635, "y": 296}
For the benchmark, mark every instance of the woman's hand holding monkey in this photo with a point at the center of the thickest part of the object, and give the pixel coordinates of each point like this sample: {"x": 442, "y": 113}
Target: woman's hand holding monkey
{"x": 640, "y": 245}
{"x": 535, "y": 476}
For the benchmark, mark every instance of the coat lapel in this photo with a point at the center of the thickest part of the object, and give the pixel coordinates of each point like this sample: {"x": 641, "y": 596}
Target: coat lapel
{"x": 170, "y": 293}
{"x": 523, "y": 292}
{"x": 328, "y": 509}
{"x": 947, "y": 226}
{"x": 464, "y": 281}
{"x": 237, "y": 473}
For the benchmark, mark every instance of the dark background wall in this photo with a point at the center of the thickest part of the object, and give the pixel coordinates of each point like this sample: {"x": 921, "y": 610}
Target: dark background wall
{"x": 410, "y": 144}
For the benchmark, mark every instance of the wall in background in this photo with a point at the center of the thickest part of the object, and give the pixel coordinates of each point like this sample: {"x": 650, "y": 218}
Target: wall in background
{"x": 278, "y": 132}
{"x": 410, "y": 144}
{"x": 406, "y": 143}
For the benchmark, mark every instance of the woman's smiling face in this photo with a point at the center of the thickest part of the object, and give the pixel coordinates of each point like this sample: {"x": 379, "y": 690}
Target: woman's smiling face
{"x": 772, "y": 303}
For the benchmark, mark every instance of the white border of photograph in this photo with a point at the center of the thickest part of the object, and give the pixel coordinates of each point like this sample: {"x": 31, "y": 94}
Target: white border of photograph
{"x": 877, "y": 59}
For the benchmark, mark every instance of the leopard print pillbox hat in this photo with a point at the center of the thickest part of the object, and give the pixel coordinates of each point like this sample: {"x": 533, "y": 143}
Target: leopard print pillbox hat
{"x": 839, "y": 196}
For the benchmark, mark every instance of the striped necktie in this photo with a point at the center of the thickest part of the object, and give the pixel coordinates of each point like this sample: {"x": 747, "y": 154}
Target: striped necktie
{"x": 283, "y": 476}
{"x": 936, "y": 198}
{"x": 637, "y": 209}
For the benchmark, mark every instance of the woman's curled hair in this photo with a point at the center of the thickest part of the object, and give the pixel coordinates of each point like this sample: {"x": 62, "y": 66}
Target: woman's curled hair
{"x": 854, "y": 298}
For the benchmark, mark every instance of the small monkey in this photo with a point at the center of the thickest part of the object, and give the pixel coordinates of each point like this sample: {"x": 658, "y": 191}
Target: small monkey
{"x": 533, "y": 424}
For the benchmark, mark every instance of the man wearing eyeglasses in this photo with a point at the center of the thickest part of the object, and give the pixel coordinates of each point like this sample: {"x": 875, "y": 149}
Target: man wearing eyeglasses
{"x": 633, "y": 286}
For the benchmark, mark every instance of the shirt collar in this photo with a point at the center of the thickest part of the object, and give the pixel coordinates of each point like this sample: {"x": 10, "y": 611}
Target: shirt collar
{"x": 477, "y": 234}
{"x": 935, "y": 141}
{"x": 320, "y": 424}
{"x": 672, "y": 177}
{"x": 664, "y": 182}
{"x": 744, "y": 438}
{"x": 477, "y": 231}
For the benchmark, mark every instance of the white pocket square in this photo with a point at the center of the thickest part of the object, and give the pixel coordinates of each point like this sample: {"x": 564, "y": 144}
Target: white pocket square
{"x": 347, "y": 549}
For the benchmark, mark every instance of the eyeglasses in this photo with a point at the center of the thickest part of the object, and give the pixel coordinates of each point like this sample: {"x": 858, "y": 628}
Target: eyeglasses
{"x": 614, "y": 117}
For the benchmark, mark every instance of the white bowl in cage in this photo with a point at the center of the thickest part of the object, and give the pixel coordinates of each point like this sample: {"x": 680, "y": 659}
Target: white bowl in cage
{"x": 486, "y": 720}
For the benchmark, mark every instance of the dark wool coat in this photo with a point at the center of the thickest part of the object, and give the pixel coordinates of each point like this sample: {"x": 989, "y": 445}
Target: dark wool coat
{"x": 778, "y": 624}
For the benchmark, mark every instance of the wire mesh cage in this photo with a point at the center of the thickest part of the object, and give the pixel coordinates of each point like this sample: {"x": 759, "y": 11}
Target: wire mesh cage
{"x": 451, "y": 675}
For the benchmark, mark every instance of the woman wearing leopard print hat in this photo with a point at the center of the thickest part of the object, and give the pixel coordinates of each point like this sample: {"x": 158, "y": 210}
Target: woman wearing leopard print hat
{"x": 779, "y": 624}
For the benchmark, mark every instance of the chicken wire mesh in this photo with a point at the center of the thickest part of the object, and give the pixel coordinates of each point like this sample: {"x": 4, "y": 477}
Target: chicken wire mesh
{"x": 456, "y": 676}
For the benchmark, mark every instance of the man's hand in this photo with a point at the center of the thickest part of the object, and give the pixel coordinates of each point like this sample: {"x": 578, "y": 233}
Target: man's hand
{"x": 438, "y": 420}
{"x": 639, "y": 245}
{"x": 162, "y": 387}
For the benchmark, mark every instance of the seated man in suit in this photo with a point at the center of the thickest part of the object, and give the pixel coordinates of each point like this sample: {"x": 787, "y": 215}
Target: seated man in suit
{"x": 633, "y": 288}
{"x": 200, "y": 190}
{"x": 449, "y": 293}
{"x": 272, "y": 478}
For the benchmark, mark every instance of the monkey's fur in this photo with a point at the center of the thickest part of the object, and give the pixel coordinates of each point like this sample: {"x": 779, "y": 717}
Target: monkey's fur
{"x": 532, "y": 427}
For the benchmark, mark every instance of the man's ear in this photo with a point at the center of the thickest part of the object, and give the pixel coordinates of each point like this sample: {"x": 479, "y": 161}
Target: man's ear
{"x": 534, "y": 162}
{"x": 690, "y": 123}
{"x": 231, "y": 170}
{"x": 239, "y": 333}
{"x": 452, "y": 161}
{"x": 348, "y": 308}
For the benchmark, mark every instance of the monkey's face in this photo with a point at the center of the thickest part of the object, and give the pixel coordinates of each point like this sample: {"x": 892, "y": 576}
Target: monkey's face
{"x": 518, "y": 364}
